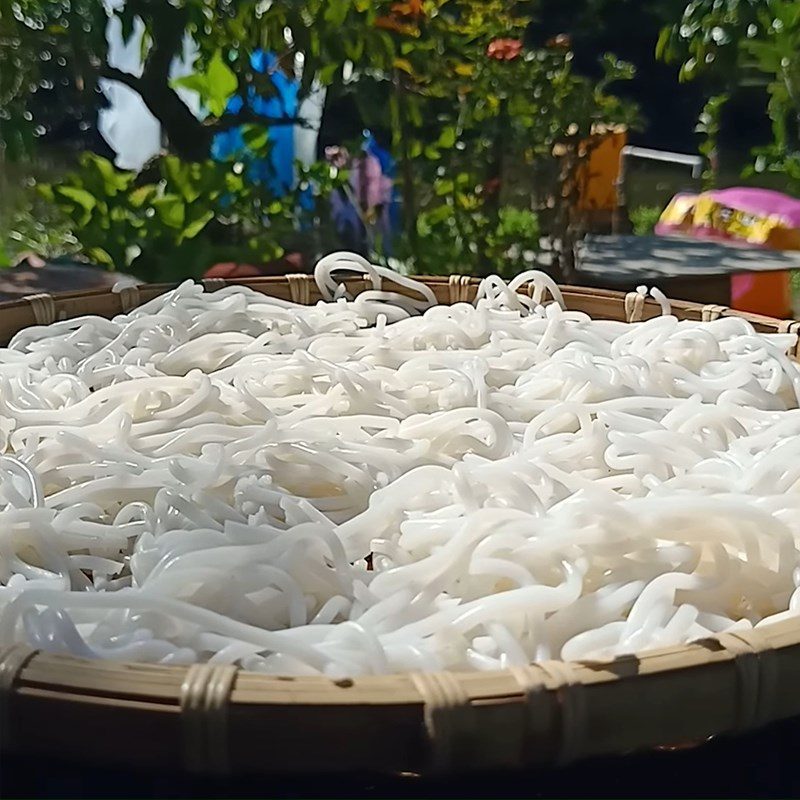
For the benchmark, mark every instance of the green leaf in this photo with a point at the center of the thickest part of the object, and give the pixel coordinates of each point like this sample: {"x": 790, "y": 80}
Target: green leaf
{"x": 255, "y": 137}
{"x": 222, "y": 84}
{"x": 118, "y": 214}
{"x": 182, "y": 177}
{"x": 328, "y": 73}
{"x": 444, "y": 187}
{"x": 336, "y": 12}
{"x": 768, "y": 56}
{"x": 414, "y": 111}
{"x": 215, "y": 86}
{"x": 404, "y": 64}
{"x": 100, "y": 177}
{"x": 355, "y": 49}
{"x": 139, "y": 197}
{"x": 170, "y": 210}
{"x": 195, "y": 226}
{"x": 663, "y": 50}
{"x": 100, "y": 256}
{"x": 447, "y": 138}
{"x": 80, "y": 196}
{"x": 194, "y": 83}
{"x": 114, "y": 180}
{"x": 438, "y": 215}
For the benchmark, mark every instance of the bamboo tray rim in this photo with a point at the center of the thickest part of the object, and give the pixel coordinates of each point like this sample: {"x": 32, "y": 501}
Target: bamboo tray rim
{"x": 211, "y": 719}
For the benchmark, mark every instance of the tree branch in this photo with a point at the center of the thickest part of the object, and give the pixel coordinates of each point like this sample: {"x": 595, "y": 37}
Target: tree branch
{"x": 188, "y": 137}
{"x": 114, "y": 74}
{"x": 246, "y": 116}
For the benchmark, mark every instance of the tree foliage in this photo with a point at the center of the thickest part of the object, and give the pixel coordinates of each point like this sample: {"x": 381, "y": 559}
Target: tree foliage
{"x": 708, "y": 36}
{"x": 468, "y": 102}
{"x": 740, "y": 42}
{"x": 45, "y": 46}
{"x": 48, "y": 40}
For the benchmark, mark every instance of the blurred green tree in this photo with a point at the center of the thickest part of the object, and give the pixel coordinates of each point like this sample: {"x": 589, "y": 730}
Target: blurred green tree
{"x": 469, "y": 105}
{"x": 745, "y": 42}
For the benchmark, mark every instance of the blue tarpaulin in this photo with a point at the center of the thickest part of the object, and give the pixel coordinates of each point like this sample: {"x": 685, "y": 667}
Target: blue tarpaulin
{"x": 277, "y": 169}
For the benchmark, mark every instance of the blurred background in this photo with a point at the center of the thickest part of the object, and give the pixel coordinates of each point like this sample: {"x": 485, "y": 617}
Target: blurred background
{"x": 168, "y": 140}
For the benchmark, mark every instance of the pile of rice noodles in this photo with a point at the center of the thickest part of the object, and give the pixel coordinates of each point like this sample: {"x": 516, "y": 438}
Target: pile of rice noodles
{"x": 381, "y": 484}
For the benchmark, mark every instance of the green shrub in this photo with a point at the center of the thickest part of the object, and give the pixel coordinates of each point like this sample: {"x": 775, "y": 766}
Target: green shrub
{"x": 178, "y": 218}
{"x": 31, "y": 224}
{"x": 644, "y": 219}
{"x": 460, "y": 237}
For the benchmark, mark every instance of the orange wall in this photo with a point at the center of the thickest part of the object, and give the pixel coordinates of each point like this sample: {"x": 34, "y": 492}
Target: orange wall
{"x": 767, "y": 293}
{"x": 597, "y": 178}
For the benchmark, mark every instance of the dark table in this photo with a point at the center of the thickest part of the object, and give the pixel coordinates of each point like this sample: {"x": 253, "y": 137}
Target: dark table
{"x": 654, "y": 258}
{"x": 682, "y": 268}
{"x": 759, "y": 765}
{"x": 34, "y": 276}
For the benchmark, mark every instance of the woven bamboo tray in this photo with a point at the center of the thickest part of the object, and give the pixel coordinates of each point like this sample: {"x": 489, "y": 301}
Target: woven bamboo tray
{"x": 219, "y": 720}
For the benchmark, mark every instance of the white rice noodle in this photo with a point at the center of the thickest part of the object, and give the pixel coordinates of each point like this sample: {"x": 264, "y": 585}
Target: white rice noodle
{"x": 377, "y": 484}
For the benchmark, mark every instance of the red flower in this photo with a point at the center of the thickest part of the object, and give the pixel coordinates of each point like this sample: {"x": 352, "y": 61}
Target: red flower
{"x": 504, "y": 49}
{"x": 492, "y": 186}
{"x": 402, "y": 18}
{"x": 413, "y": 8}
